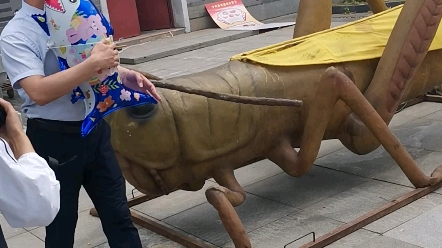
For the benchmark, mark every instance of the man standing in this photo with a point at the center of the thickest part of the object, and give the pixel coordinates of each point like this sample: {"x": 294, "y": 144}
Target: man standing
{"x": 54, "y": 127}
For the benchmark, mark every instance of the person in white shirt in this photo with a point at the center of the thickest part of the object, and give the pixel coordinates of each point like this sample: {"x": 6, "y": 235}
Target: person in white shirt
{"x": 29, "y": 190}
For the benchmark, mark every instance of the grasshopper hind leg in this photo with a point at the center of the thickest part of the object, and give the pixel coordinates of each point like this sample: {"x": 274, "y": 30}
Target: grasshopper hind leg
{"x": 335, "y": 86}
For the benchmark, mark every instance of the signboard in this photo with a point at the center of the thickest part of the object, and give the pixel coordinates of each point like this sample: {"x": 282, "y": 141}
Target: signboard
{"x": 233, "y": 15}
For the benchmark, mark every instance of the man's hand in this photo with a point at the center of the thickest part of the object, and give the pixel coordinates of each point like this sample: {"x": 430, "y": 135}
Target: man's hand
{"x": 13, "y": 131}
{"x": 104, "y": 55}
{"x": 137, "y": 81}
{"x": 13, "y": 125}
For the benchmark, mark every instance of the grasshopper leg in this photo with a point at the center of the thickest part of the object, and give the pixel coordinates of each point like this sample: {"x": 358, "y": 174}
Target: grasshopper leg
{"x": 377, "y": 6}
{"x": 404, "y": 53}
{"x": 337, "y": 86}
{"x": 224, "y": 198}
{"x": 312, "y": 17}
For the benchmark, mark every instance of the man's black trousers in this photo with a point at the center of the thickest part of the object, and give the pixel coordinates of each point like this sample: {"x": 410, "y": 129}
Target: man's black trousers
{"x": 2, "y": 239}
{"x": 90, "y": 162}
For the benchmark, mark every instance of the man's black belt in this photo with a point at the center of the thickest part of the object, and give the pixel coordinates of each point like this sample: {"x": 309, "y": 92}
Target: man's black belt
{"x": 68, "y": 127}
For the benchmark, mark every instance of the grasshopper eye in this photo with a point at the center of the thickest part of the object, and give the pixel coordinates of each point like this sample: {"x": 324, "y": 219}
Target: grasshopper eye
{"x": 143, "y": 112}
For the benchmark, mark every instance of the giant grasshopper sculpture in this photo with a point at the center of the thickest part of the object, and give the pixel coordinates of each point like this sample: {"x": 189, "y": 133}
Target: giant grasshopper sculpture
{"x": 189, "y": 138}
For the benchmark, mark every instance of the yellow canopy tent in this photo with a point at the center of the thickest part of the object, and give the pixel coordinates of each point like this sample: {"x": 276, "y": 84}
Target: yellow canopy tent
{"x": 359, "y": 40}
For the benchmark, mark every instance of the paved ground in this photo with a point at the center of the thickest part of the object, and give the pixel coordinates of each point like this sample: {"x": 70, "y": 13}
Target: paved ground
{"x": 158, "y": 49}
{"x": 341, "y": 186}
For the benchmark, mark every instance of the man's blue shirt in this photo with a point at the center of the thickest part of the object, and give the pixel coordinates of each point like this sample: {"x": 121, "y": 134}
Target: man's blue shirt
{"x": 24, "y": 51}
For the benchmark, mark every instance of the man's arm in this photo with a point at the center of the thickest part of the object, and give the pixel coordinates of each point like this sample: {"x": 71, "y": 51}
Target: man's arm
{"x": 26, "y": 70}
{"x": 21, "y": 145}
{"x": 29, "y": 191}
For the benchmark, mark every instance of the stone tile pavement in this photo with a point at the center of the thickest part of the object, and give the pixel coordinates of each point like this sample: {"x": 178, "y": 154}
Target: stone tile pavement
{"x": 209, "y": 57}
{"x": 279, "y": 208}
{"x": 161, "y": 48}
